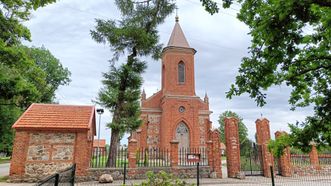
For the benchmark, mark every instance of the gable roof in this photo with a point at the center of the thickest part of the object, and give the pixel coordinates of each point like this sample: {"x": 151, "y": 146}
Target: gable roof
{"x": 177, "y": 38}
{"x": 54, "y": 116}
{"x": 102, "y": 143}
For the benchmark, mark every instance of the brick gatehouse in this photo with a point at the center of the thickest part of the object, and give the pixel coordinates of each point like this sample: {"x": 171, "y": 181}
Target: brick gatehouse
{"x": 175, "y": 112}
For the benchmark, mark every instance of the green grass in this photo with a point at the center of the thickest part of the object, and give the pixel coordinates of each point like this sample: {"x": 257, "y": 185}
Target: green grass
{"x": 103, "y": 160}
{"x": 3, "y": 178}
{"x": 5, "y": 160}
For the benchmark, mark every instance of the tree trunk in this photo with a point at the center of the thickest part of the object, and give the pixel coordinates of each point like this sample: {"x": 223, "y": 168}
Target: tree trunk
{"x": 115, "y": 134}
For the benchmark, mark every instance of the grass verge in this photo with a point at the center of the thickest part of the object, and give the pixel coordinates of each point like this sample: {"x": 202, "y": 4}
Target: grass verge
{"x": 3, "y": 178}
{"x": 4, "y": 160}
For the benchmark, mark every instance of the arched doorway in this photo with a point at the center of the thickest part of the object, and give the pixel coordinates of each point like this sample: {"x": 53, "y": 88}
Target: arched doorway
{"x": 183, "y": 136}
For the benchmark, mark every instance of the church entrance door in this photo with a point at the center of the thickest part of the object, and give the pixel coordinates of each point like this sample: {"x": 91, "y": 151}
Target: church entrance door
{"x": 183, "y": 136}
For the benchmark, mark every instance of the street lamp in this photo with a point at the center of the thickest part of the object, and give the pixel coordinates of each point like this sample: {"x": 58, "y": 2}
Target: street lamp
{"x": 99, "y": 111}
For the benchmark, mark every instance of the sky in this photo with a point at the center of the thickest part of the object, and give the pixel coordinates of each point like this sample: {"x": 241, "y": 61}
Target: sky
{"x": 221, "y": 41}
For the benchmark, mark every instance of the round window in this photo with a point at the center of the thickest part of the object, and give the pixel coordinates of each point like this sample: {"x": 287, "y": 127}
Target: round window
{"x": 181, "y": 109}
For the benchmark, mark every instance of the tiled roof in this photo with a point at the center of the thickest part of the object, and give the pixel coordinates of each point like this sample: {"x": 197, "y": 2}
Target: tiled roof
{"x": 177, "y": 37}
{"x": 101, "y": 144}
{"x": 54, "y": 116}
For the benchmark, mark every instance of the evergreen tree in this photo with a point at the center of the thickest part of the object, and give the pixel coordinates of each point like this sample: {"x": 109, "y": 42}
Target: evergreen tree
{"x": 136, "y": 35}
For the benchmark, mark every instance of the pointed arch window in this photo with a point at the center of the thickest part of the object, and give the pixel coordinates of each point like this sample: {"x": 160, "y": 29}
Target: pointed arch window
{"x": 181, "y": 72}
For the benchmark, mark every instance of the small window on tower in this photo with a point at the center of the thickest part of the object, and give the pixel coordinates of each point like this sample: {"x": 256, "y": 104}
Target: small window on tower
{"x": 181, "y": 72}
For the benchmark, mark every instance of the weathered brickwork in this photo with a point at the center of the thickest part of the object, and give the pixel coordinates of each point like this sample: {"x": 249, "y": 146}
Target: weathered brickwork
{"x": 263, "y": 138}
{"x": 39, "y": 152}
{"x": 153, "y": 130}
{"x": 52, "y": 138}
{"x": 232, "y": 146}
{"x": 40, "y": 170}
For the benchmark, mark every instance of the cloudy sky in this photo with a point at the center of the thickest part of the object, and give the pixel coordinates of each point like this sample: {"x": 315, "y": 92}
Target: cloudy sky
{"x": 221, "y": 41}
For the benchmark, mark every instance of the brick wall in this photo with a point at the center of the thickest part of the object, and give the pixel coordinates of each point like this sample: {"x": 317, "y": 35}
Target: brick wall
{"x": 37, "y": 154}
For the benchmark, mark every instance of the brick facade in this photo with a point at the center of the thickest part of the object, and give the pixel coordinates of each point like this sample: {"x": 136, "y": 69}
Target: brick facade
{"x": 176, "y": 103}
{"x": 263, "y": 138}
{"x": 232, "y": 146}
{"x": 39, "y": 152}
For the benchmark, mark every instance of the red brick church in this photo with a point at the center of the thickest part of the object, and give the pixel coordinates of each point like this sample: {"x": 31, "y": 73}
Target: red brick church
{"x": 175, "y": 112}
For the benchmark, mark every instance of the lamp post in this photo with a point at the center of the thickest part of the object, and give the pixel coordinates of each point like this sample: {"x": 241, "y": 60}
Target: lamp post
{"x": 99, "y": 111}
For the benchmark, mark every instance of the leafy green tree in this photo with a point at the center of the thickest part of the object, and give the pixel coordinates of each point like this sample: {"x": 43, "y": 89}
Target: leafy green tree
{"x": 136, "y": 35}
{"x": 290, "y": 46}
{"x": 20, "y": 77}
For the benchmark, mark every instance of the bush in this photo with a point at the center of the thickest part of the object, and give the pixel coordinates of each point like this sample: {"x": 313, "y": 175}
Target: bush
{"x": 162, "y": 179}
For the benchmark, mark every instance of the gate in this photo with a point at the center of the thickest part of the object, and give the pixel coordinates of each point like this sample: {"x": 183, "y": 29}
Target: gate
{"x": 250, "y": 159}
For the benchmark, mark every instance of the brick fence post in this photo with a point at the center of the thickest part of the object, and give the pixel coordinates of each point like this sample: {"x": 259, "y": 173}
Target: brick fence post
{"x": 210, "y": 155}
{"x": 174, "y": 153}
{"x": 263, "y": 138}
{"x": 20, "y": 150}
{"x": 313, "y": 156}
{"x": 132, "y": 150}
{"x": 284, "y": 162}
{"x": 232, "y": 146}
{"x": 216, "y": 150}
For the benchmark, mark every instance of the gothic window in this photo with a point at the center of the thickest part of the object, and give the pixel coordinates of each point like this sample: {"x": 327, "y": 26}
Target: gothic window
{"x": 182, "y": 128}
{"x": 181, "y": 72}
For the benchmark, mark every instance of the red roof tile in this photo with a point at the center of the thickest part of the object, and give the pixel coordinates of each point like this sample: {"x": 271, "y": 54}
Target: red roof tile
{"x": 54, "y": 116}
{"x": 101, "y": 144}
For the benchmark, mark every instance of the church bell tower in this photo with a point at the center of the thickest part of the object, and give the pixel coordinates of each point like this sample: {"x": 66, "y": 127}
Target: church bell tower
{"x": 178, "y": 65}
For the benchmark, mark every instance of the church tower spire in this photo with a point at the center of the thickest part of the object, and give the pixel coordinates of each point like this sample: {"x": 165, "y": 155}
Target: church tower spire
{"x": 178, "y": 65}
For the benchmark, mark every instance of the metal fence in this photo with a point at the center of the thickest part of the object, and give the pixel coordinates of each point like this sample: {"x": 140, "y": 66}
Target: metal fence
{"x": 300, "y": 159}
{"x": 153, "y": 157}
{"x": 100, "y": 156}
{"x": 182, "y": 156}
{"x": 324, "y": 159}
{"x": 63, "y": 178}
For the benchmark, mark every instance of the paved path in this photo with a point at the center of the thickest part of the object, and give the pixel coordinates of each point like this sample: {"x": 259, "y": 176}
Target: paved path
{"x": 249, "y": 181}
{"x": 4, "y": 169}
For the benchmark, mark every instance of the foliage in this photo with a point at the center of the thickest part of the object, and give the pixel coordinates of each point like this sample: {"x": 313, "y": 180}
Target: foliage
{"x": 136, "y": 35}
{"x": 276, "y": 147}
{"x": 162, "y": 179}
{"x": 290, "y": 46}
{"x": 27, "y": 75}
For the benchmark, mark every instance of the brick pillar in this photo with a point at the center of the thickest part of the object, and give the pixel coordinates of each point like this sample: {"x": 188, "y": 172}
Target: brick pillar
{"x": 210, "y": 154}
{"x": 216, "y": 150}
{"x": 132, "y": 150}
{"x": 313, "y": 156}
{"x": 174, "y": 153}
{"x": 284, "y": 162}
{"x": 232, "y": 146}
{"x": 263, "y": 138}
{"x": 20, "y": 149}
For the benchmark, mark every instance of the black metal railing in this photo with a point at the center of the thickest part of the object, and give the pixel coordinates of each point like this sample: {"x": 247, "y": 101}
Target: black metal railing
{"x": 182, "y": 156}
{"x": 64, "y": 177}
{"x": 153, "y": 157}
{"x": 100, "y": 156}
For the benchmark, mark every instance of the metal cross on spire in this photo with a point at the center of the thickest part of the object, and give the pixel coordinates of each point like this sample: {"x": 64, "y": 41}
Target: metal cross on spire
{"x": 176, "y": 14}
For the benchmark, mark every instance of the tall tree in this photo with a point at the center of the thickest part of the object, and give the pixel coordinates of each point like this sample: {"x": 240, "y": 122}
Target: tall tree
{"x": 136, "y": 35}
{"x": 291, "y": 42}
{"x": 22, "y": 79}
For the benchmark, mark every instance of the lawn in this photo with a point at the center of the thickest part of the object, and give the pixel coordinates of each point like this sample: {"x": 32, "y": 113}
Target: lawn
{"x": 4, "y": 160}
{"x": 101, "y": 162}
{"x": 3, "y": 178}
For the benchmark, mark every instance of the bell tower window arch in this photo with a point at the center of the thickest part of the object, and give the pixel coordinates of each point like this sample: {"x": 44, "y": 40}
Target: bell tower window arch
{"x": 181, "y": 72}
